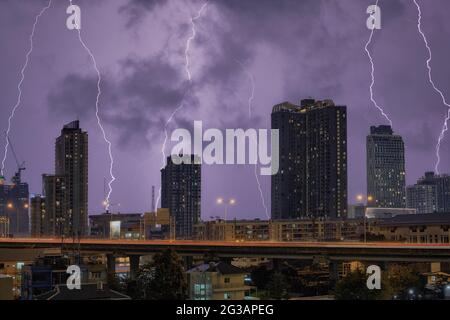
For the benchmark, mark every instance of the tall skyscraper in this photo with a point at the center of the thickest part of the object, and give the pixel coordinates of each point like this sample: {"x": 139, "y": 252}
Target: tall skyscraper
{"x": 181, "y": 194}
{"x": 56, "y": 221}
{"x": 385, "y": 168}
{"x": 312, "y": 177}
{"x": 430, "y": 194}
{"x": 14, "y": 204}
{"x": 38, "y": 216}
{"x": 71, "y": 162}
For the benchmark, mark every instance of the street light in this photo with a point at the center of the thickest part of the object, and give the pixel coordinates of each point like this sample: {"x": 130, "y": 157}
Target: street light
{"x": 230, "y": 202}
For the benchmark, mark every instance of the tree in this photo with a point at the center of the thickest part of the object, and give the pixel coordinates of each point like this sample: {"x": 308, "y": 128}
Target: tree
{"x": 354, "y": 287}
{"x": 163, "y": 279}
{"x": 278, "y": 287}
{"x": 400, "y": 278}
{"x": 260, "y": 277}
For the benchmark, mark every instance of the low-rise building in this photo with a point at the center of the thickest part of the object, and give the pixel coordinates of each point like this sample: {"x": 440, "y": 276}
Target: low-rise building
{"x": 116, "y": 226}
{"x": 159, "y": 225}
{"x": 416, "y": 228}
{"x": 218, "y": 281}
{"x": 281, "y": 230}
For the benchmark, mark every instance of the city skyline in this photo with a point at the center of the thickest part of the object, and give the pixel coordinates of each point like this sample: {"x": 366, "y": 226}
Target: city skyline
{"x": 134, "y": 119}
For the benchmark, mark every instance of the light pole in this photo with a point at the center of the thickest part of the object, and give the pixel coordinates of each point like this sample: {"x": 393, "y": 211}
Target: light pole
{"x": 230, "y": 202}
{"x": 370, "y": 199}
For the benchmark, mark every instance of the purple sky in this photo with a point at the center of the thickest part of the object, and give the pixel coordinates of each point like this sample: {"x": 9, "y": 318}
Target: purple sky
{"x": 294, "y": 48}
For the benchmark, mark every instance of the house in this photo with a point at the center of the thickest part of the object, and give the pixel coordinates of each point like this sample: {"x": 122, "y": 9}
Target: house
{"x": 218, "y": 281}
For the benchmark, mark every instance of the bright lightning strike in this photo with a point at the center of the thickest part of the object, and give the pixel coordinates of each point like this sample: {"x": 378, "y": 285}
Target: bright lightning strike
{"x": 430, "y": 79}
{"x": 372, "y": 74}
{"x": 19, "y": 86}
{"x": 163, "y": 147}
{"x": 191, "y": 38}
{"x": 251, "y": 78}
{"x": 189, "y": 77}
{"x": 99, "y": 121}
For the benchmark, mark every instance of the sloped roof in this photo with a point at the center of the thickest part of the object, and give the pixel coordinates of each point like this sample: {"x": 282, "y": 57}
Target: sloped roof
{"x": 220, "y": 267}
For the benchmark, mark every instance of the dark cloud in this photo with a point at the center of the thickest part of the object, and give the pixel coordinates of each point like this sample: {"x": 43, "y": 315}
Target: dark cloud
{"x": 136, "y": 104}
{"x": 135, "y": 10}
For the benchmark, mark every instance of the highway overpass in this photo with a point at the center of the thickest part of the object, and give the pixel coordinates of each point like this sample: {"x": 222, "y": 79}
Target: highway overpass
{"x": 332, "y": 251}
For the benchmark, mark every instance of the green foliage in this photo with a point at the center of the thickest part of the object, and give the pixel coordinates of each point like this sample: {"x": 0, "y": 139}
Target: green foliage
{"x": 278, "y": 288}
{"x": 163, "y": 279}
{"x": 354, "y": 287}
{"x": 400, "y": 278}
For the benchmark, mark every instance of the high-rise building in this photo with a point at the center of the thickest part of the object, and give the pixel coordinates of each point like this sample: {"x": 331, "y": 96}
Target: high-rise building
{"x": 423, "y": 198}
{"x": 71, "y": 162}
{"x": 38, "y": 216}
{"x": 430, "y": 194}
{"x": 57, "y": 220}
{"x": 385, "y": 168}
{"x": 14, "y": 204}
{"x": 312, "y": 177}
{"x": 181, "y": 194}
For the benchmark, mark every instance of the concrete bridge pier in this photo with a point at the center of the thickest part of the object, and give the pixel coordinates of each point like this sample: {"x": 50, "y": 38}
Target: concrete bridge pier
{"x": 111, "y": 265}
{"x": 134, "y": 266}
{"x": 333, "y": 267}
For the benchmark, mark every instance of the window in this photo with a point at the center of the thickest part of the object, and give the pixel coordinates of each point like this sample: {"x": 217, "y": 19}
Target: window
{"x": 227, "y": 280}
{"x": 227, "y": 296}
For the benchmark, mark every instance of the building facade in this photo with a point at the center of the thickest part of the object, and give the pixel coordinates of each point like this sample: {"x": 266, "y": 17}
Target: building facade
{"x": 417, "y": 228}
{"x": 181, "y": 194}
{"x": 218, "y": 281}
{"x": 281, "y": 230}
{"x": 14, "y": 205}
{"x": 431, "y": 192}
{"x": 71, "y": 162}
{"x": 312, "y": 177}
{"x": 117, "y": 226}
{"x": 385, "y": 168}
{"x": 423, "y": 198}
{"x": 38, "y": 216}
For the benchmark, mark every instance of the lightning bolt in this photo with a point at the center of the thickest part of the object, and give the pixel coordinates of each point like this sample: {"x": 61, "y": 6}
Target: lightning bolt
{"x": 189, "y": 78}
{"x": 372, "y": 74}
{"x": 430, "y": 79}
{"x": 251, "y": 79}
{"x": 191, "y": 38}
{"x": 99, "y": 121}
{"x": 163, "y": 147}
{"x": 19, "y": 86}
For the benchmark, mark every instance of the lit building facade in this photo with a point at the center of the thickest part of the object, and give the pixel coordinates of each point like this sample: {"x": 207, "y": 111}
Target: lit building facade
{"x": 181, "y": 194}
{"x": 385, "y": 168}
{"x": 423, "y": 198}
{"x": 71, "y": 162}
{"x": 14, "y": 205}
{"x": 312, "y": 176}
{"x": 436, "y": 192}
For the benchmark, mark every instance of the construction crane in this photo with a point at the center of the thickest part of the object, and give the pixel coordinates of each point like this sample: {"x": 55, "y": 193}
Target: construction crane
{"x": 20, "y": 166}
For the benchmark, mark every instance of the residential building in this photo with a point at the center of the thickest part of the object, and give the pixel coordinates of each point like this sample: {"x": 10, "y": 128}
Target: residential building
{"x": 181, "y": 194}
{"x": 385, "y": 168}
{"x": 218, "y": 281}
{"x": 312, "y": 176}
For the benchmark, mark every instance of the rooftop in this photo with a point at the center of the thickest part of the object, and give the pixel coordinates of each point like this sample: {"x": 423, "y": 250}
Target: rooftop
{"x": 220, "y": 267}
